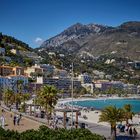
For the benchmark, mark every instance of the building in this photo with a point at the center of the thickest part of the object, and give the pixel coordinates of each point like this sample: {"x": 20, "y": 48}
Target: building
{"x": 18, "y": 70}
{"x": 15, "y": 51}
{"x": 60, "y": 83}
{"x": 130, "y": 88}
{"x": 98, "y": 75}
{"x": 4, "y": 83}
{"x": 2, "y": 51}
{"x": 85, "y": 78}
{"x": 10, "y": 82}
{"x": 89, "y": 87}
{"x": 66, "y": 83}
{"x": 137, "y": 65}
{"x": 60, "y": 73}
{"x": 106, "y": 84}
{"x": 7, "y": 70}
{"x": 44, "y": 69}
{"x": 34, "y": 69}
{"x": 138, "y": 89}
{"x": 47, "y": 69}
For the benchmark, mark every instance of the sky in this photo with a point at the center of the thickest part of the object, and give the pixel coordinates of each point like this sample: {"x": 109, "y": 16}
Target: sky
{"x": 34, "y": 21}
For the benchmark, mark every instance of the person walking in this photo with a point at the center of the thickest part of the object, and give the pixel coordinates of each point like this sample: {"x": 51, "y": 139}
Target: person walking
{"x": 130, "y": 131}
{"x": 134, "y": 133}
{"x": 2, "y": 118}
{"x": 17, "y": 119}
{"x": 14, "y": 120}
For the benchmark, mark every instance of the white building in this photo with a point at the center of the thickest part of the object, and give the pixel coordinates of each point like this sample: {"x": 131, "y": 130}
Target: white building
{"x": 85, "y": 78}
{"x": 88, "y": 87}
{"x": 10, "y": 82}
{"x": 2, "y": 51}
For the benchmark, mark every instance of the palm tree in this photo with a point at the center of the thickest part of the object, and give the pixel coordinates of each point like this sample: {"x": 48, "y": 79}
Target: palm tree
{"x": 1, "y": 91}
{"x": 128, "y": 112}
{"x": 18, "y": 95}
{"x": 47, "y": 98}
{"x": 25, "y": 97}
{"x": 20, "y": 85}
{"x": 18, "y": 99}
{"x": 8, "y": 97}
{"x": 62, "y": 93}
{"x": 112, "y": 115}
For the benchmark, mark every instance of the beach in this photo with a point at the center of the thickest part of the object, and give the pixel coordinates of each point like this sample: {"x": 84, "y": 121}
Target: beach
{"x": 93, "y": 116}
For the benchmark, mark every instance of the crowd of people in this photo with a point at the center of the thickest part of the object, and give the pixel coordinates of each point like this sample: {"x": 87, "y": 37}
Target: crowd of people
{"x": 16, "y": 119}
{"x": 128, "y": 129}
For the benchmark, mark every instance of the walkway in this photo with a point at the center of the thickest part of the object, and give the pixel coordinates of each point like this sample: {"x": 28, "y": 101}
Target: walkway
{"x": 24, "y": 125}
{"x": 30, "y": 122}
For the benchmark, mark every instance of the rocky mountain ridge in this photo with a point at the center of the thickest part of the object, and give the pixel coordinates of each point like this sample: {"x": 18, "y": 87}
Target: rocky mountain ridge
{"x": 96, "y": 40}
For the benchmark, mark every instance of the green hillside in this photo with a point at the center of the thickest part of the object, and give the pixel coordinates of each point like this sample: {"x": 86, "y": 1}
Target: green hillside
{"x": 16, "y": 52}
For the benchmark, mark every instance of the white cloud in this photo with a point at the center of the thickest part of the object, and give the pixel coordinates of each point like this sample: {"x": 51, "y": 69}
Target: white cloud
{"x": 39, "y": 40}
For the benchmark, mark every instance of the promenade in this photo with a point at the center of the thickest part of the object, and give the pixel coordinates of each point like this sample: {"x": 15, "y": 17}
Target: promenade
{"x": 30, "y": 122}
{"x": 25, "y": 123}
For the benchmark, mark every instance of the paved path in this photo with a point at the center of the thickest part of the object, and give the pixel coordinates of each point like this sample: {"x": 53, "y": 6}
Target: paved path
{"x": 24, "y": 125}
{"x": 30, "y": 122}
{"x": 105, "y": 131}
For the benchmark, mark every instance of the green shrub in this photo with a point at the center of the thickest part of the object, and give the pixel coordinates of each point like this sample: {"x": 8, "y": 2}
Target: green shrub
{"x": 45, "y": 133}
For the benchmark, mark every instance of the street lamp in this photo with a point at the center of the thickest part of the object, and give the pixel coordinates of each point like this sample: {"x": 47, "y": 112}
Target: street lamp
{"x": 72, "y": 96}
{"x": 34, "y": 96}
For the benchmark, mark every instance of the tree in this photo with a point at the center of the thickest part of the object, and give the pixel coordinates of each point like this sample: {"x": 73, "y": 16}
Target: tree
{"x": 18, "y": 95}
{"x": 83, "y": 91}
{"x": 112, "y": 115}
{"x": 1, "y": 91}
{"x": 28, "y": 61}
{"x": 20, "y": 85}
{"x": 79, "y": 91}
{"x": 8, "y": 97}
{"x": 47, "y": 98}
{"x": 128, "y": 112}
{"x": 62, "y": 92}
{"x": 24, "y": 97}
{"x": 96, "y": 91}
{"x": 45, "y": 133}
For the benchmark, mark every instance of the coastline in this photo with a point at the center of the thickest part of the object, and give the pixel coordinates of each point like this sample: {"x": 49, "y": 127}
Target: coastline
{"x": 93, "y": 115}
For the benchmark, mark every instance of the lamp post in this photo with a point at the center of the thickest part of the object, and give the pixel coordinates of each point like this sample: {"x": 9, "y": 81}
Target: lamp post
{"x": 35, "y": 100}
{"x": 72, "y": 96}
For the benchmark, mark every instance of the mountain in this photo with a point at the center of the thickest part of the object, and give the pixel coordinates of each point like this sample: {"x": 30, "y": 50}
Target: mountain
{"x": 77, "y": 31}
{"x": 95, "y": 40}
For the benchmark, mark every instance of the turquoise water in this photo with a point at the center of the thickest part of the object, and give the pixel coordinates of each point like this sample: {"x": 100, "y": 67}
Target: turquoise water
{"x": 100, "y": 104}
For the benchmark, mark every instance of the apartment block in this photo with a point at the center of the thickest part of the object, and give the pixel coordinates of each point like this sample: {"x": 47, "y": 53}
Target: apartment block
{"x": 7, "y": 70}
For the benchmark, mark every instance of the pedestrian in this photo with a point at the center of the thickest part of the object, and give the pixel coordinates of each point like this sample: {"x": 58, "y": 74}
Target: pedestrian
{"x": 2, "y": 118}
{"x": 17, "y": 119}
{"x": 139, "y": 119}
{"x": 126, "y": 128}
{"x": 135, "y": 132}
{"x": 130, "y": 131}
{"x": 20, "y": 115}
{"x": 2, "y": 110}
{"x": 14, "y": 119}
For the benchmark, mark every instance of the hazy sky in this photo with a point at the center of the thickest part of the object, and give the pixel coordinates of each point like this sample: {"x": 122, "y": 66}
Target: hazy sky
{"x": 33, "y": 21}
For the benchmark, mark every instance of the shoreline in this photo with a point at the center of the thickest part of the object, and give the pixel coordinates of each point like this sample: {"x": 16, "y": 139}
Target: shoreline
{"x": 92, "y": 115}
{"x": 65, "y": 102}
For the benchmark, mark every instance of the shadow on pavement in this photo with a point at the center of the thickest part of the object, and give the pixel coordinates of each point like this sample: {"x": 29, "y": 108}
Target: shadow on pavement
{"x": 125, "y": 138}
